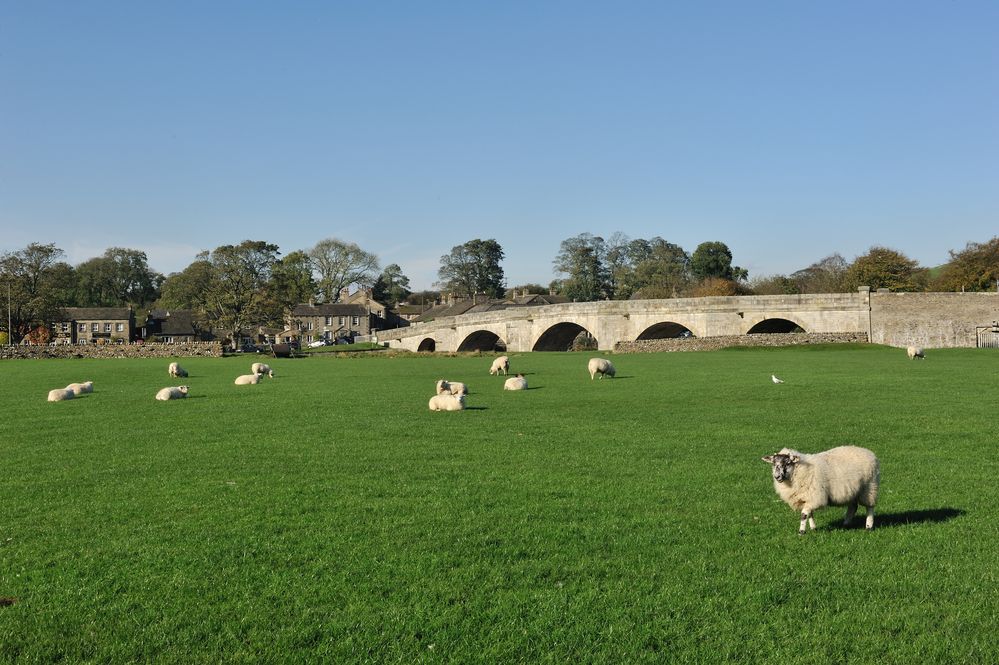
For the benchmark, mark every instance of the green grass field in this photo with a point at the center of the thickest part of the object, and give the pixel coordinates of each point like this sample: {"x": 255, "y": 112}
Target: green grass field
{"x": 327, "y": 515}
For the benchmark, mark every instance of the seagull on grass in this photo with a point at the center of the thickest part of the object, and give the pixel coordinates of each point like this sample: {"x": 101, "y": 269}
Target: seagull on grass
{"x": 774, "y": 378}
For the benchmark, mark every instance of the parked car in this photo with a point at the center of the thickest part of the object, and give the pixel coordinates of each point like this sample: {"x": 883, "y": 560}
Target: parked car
{"x": 318, "y": 343}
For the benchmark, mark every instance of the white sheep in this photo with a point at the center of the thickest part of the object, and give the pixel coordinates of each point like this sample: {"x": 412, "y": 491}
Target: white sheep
{"x": 80, "y": 388}
{"x": 600, "y": 366}
{"x": 447, "y": 402}
{"x": 515, "y": 383}
{"x": 262, "y": 368}
{"x": 451, "y": 388}
{"x": 173, "y": 392}
{"x": 61, "y": 394}
{"x": 248, "y": 379}
{"x": 915, "y": 352}
{"x": 843, "y": 476}
{"x": 174, "y": 369}
{"x": 501, "y": 364}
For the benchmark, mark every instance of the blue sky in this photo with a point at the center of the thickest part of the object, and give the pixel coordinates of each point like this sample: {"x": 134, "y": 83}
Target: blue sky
{"x": 788, "y": 130}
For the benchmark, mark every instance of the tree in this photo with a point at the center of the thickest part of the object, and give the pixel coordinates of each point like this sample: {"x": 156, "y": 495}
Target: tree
{"x": 975, "y": 268}
{"x": 291, "y": 283}
{"x": 39, "y": 285}
{"x": 391, "y": 287}
{"x": 473, "y": 267}
{"x": 530, "y": 288}
{"x": 774, "y": 285}
{"x": 826, "y": 275}
{"x": 885, "y": 268}
{"x": 581, "y": 258}
{"x": 714, "y": 259}
{"x": 661, "y": 269}
{"x": 119, "y": 278}
{"x": 188, "y": 289}
{"x": 236, "y": 296}
{"x": 338, "y": 264}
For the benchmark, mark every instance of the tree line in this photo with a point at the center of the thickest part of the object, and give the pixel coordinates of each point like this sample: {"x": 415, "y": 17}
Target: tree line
{"x": 237, "y": 286}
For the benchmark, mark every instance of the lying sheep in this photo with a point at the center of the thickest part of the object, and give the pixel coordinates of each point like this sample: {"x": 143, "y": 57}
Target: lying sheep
{"x": 915, "y": 352}
{"x": 447, "y": 402}
{"x": 843, "y": 476}
{"x": 600, "y": 366}
{"x": 451, "y": 388}
{"x": 248, "y": 379}
{"x": 501, "y": 364}
{"x": 262, "y": 368}
{"x": 174, "y": 369}
{"x": 80, "y": 388}
{"x": 173, "y": 392}
{"x": 61, "y": 394}
{"x": 515, "y": 383}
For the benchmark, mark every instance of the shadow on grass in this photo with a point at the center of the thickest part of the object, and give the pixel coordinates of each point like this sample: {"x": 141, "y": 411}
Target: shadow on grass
{"x": 476, "y": 408}
{"x": 888, "y": 520}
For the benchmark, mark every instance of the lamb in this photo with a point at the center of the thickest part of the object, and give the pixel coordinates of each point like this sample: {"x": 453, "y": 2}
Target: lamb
{"x": 600, "y": 366}
{"x": 248, "y": 379}
{"x": 173, "y": 392}
{"x": 447, "y": 402}
{"x": 843, "y": 476}
{"x": 262, "y": 368}
{"x": 61, "y": 394}
{"x": 175, "y": 369}
{"x": 501, "y": 364}
{"x": 915, "y": 352}
{"x": 515, "y": 383}
{"x": 451, "y": 388}
{"x": 80, "y": 388}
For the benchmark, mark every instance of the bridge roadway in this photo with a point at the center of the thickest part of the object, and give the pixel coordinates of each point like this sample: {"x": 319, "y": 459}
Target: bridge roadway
{"x": 554, "y": 327}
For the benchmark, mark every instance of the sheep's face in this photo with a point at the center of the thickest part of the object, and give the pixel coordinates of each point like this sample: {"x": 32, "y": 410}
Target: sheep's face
{"x": 183, "y": 389}
{"x": 783, "y": 465}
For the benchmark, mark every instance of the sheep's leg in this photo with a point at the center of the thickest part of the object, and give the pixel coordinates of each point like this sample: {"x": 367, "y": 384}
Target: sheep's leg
{"x": 851, "y": 510}
{"x": 806, "y": 518}
{"x": 870, "y": 518}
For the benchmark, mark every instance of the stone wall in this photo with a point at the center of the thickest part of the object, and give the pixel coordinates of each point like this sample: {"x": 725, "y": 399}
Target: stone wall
{"x": 931, "y": 320}
{"x": 721, "y": 342}
{"x": 182, "y": 350}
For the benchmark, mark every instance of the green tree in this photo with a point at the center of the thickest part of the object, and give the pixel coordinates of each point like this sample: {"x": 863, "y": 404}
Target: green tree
{"x": 774, "y": 285}
{"x": 39, "y": 285}
{"x": 119, "y": 278}
{"x": 975, "y": 268}
{"x": 581, "y": 259}
{"x": 236, "y": 296}
{"x": 188, "y": 289}
{"x": 827, "y": 275}
{"x": 473, "y": 267}
{"x": 661, "y": 269}
{"x": 885, "y": 268}
{"x": 714, "y": 259}
{"x": 391, "y": 287}
{"x": 291, "y": 283}
{"x": 338, "y": 264}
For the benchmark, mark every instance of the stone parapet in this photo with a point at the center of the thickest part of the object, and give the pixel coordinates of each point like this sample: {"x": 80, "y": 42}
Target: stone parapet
{"x": 181, "y": 350}
{"x": 721, "y": 342}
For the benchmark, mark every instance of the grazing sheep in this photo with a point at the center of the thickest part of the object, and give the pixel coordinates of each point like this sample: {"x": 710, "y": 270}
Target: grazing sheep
{"x": 600, "y": 366}
{"x": 451, "y": 388}
{"x": 915, "y": 352}
{"x": 173, "y": 392}
{"x": 515, "y": 383}
{"x": 773, "y": 377}
{"x": 80, "y": 388}
{"x": 248, "y": 380}
{"x": 501, "y": 364}
{"x": 61, "y": 394}
{"x": 262, "y": 368}
{"x": 447, "y": 402}
{"x": 174, "y": 369}
{"x": 843, "y": 476}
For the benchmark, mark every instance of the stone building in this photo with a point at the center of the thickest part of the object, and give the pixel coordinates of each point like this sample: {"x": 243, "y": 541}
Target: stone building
{"x": 94, "y": 325}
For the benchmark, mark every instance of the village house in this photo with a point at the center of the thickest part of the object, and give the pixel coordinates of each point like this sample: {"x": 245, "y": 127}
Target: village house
{"x": 93, "y": 325}
{"x": 169, "y": 326}
{"x": 330, "y": 322}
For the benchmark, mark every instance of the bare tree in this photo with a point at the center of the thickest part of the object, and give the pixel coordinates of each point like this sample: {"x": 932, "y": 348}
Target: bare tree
{"x": 339, "y": 264}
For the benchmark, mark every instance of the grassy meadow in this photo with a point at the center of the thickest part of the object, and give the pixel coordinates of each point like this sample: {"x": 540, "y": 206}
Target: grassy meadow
{"x": 327, "y": 516}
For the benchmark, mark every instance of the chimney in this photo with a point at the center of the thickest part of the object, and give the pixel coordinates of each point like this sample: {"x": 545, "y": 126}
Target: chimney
{"x": 345, "y": 292}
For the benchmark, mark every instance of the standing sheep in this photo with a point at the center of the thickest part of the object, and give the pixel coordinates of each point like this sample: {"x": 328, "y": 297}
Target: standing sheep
{"x": 843, "y": 476}
{"x": 447, "y": 402}
{"x": 501, "y": 364}
{"x": 451, "y": 388}
{"x": 248, "y": 379}
{"x": 174, "y": 369}
{"x": 915, "y": 352}
{"x": 262, "y": 368}
{"x": 61, "y": 394}
{"x": 80, "y": 388}
{"x": 515, "y": 383}
{"x": 173, "y": 392}
{"x": 600, "y": 366}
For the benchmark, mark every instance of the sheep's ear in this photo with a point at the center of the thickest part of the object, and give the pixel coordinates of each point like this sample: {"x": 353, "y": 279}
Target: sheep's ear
{"x": 769, "y": 459}
{"x": 794, "y": 459}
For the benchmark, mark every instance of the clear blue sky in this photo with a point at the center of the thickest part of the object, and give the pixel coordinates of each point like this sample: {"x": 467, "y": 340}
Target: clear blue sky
{"x": 788, "y": 130}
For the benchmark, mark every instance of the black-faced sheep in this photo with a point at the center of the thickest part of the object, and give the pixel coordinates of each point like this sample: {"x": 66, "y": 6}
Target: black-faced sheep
{"x": 843, "y": 476}
{"x": 915, "y": 352}
{"x": 174, "y": 369}
{"x": 262, "y": 368}
{"x": 600, "y": 366}
{"x": 451, "y": 388}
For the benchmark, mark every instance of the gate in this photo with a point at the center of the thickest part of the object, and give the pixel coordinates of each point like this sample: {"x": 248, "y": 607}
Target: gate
{"x": 988, "y": 336}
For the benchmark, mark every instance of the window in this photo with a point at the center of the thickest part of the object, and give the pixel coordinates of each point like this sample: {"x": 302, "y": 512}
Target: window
{"x": 354, "y": 320}
{"x": 65, "y": 327}
{"x": 341, "y": 320}
{"x": 81, "y": 327}
{"x": 107, "y": 327}
{"x": 95, "y": 327}
{"x": 120, "y": 327}
{"x": 310, "y": 325}
{"x": 329, "y": 320}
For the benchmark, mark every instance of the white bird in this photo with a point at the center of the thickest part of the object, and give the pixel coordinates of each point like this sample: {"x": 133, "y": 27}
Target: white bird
{"x": 775, "y": 379}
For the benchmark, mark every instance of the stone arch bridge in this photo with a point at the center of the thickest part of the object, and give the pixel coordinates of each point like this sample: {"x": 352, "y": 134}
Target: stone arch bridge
{"x": 554, "y": 327}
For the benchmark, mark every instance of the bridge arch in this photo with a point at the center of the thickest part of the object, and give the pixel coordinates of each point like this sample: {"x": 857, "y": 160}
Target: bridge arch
{"x": 776, "y": 326}
{"x": 427, "y": 344}
{"x": 560, "y": 337}
{"x": 482, "y": 340}
{"x": 666, "y": 330}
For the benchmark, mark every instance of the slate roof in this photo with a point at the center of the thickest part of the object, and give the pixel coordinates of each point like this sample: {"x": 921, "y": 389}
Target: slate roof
{"x": 93, "y": 313}
{"x": 329, "y": 309}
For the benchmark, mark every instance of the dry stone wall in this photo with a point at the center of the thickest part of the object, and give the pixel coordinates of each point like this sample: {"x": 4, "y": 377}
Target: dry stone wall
{"x": 931, "y": 320}
{"x": 721, "y": 342}
{"x": 183, "y": 350}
